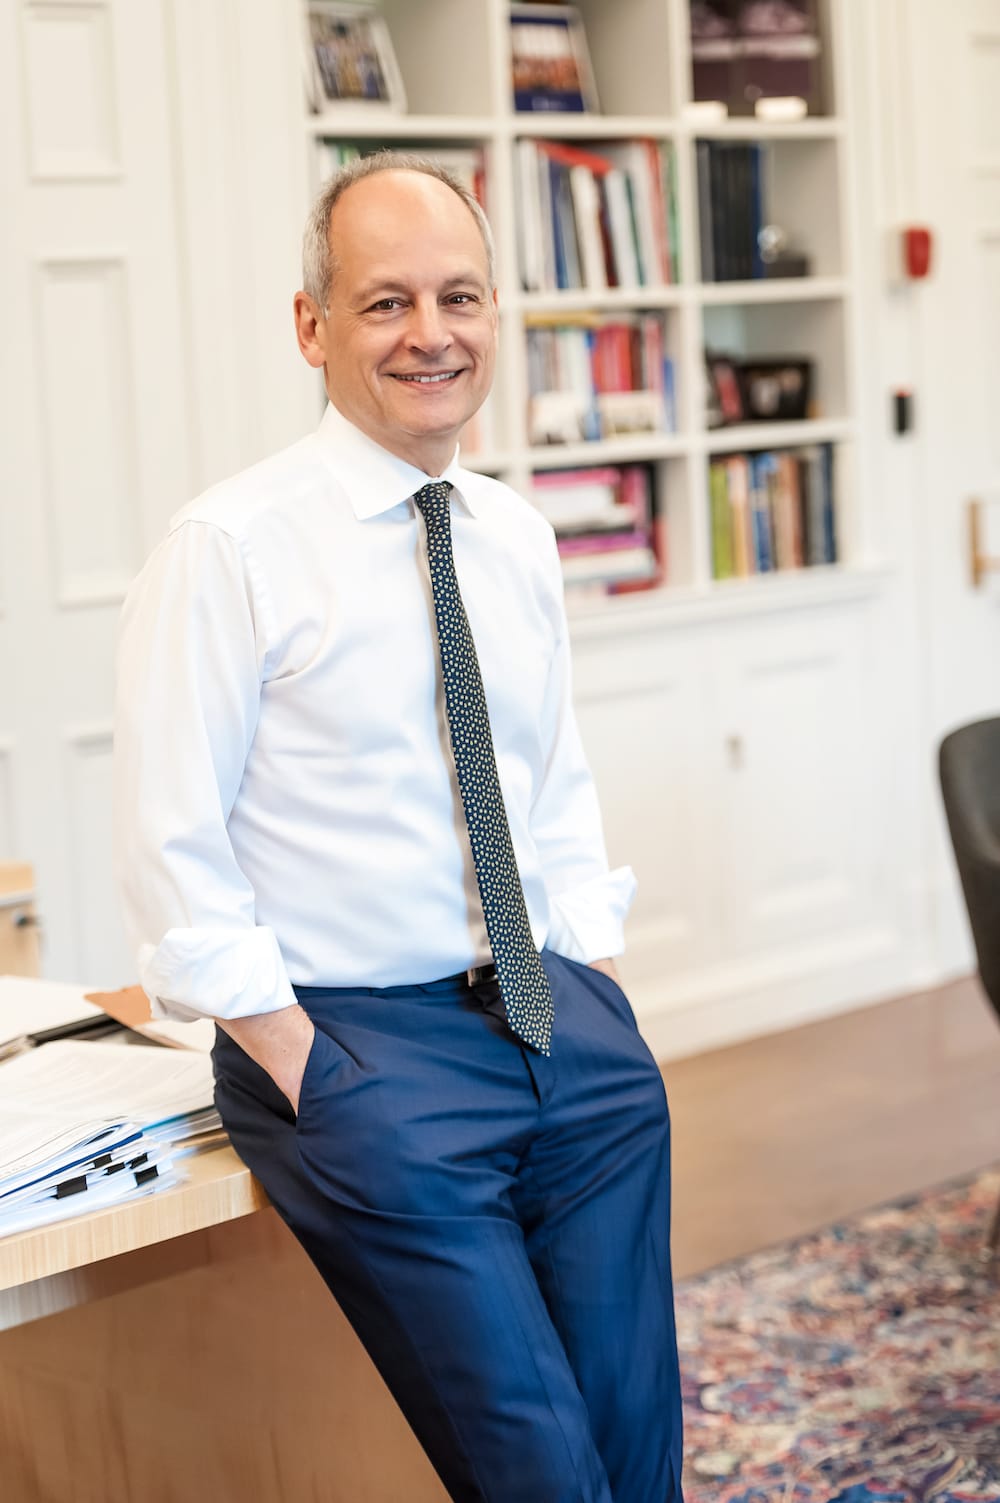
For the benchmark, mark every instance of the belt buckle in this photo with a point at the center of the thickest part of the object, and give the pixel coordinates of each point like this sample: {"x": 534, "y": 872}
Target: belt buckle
{"x": 477, "y": 973}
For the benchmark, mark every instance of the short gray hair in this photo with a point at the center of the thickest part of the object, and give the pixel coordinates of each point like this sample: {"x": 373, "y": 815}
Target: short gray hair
{"x": 318, "y": 261}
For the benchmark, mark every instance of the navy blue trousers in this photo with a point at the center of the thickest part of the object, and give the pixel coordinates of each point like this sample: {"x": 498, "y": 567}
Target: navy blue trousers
{"x": 494, "y": 1224}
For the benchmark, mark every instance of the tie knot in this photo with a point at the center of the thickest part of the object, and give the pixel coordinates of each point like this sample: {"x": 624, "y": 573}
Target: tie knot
{"x": 432, "y": 499}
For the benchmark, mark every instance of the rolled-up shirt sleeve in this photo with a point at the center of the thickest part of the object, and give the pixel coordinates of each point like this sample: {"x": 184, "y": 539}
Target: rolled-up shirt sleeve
{"x": 191, "y": 655}
{"x": 587, "y": 902}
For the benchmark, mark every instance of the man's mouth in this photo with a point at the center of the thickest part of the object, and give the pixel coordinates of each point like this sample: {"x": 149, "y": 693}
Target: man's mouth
{"x": 428, "y": 380}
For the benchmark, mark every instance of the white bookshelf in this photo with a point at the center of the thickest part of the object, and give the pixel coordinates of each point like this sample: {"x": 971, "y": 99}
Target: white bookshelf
{"x": 454, "y": 59}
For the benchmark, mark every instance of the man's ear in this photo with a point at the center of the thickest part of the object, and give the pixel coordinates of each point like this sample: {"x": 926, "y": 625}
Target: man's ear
{"x": 310, "y": 330}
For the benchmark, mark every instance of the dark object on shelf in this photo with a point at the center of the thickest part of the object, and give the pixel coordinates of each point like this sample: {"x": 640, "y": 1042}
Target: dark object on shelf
{"x": 780, "y": 52}
{"x": 969, "y": 765}
{"x": 726, "y": 402}
{"x": 775, "y": 257}
{"x": 776, "y": 391}
{"x": 550, "y": 64}
{"x": 731, "y": 212}
{"x": 715, "y": 51}
{"x": 746, "y": 50}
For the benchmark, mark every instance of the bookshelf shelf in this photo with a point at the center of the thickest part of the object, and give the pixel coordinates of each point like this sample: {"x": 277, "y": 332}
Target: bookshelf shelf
{"x": 819, "y": 128}
{"x": 633, "y": 448}
{"x": 790, "y": 590}
{"x": 772, "y": 290}
{"x": 614, "y": 299}
{"x": 376, "y": 125}
{"x": 752, "y": 437}
{"x": 591, "y": 127}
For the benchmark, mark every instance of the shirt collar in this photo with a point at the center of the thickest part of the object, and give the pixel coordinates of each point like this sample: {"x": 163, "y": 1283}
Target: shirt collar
{"x": 374, "y": 480}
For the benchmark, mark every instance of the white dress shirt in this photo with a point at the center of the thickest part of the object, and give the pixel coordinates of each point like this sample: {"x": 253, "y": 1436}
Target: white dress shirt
{"x": 286, "y": 806}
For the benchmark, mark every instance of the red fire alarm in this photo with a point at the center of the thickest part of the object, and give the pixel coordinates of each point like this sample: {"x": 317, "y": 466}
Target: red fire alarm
{"x": 918, "y": 246}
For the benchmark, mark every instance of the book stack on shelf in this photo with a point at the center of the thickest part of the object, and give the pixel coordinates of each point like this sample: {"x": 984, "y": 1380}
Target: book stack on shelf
{"x": 592, "y": 377}
{"x": 772, "y": 511}
{"x": 598, "y": 218}
{"x": 637, "y": 244}
{"x": 610, "y": 537}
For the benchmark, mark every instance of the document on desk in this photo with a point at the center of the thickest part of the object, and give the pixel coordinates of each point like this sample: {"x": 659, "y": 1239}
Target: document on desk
{"x": 28, "y": 1005}
{"x": 84, "y": 1124}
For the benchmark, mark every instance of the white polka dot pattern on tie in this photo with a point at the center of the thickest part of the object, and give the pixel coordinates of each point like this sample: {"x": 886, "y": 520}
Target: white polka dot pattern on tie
{"x": 524, "y": 985}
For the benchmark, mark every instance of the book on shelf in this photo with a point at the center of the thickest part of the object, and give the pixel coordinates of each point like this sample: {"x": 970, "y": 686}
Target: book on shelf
{"x": 772, "y": 511}
{"x": 732, "y": 210}
{"x": 610, "y": 534}
{"x": 550, "y": 63}
{"x": 593, "y": 377}
{"x": 596, "y": 218}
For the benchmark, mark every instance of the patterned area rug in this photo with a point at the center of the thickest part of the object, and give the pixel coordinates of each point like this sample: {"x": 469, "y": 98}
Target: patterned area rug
{"x": 857, "y": 1364}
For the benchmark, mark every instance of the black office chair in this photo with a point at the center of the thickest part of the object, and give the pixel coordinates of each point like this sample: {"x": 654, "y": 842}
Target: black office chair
{"x": 969, "y": 764}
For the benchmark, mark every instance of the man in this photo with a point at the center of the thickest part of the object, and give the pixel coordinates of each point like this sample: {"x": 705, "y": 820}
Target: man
{"x": 351, "y": 807}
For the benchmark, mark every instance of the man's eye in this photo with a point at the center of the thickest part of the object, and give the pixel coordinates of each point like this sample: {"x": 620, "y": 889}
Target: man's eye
{"x": 385, "y": 305}
{"x": 461, "y": 297}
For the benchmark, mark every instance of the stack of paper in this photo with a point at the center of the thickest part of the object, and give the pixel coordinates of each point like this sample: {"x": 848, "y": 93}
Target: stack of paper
{"x": 32, "y": 1009}
{"x": 83, "y": 1125}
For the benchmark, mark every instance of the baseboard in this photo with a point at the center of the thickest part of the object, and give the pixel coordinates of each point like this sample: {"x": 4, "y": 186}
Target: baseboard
{"x": 730, "y": 1003}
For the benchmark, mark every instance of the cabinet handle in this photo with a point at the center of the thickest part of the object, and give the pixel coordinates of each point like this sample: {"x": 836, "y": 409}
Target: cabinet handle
{"x": 734, "y": 746}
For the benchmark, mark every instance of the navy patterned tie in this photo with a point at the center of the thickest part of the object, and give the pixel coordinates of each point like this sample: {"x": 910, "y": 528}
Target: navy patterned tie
{"x": 524, "y": 985}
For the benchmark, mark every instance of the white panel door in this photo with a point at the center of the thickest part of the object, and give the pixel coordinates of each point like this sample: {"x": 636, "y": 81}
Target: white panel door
{"x": 794, "y": 813}
{"x": 956, "y": 131}
{"x": 96, "y": 443}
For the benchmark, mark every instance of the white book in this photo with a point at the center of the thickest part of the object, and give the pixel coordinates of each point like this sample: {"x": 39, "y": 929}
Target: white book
{"x": 620, "y": 220}
{"x": 631, "y": 157}
{"x": 529, "y": 219}
{"x": 587, "y": 209}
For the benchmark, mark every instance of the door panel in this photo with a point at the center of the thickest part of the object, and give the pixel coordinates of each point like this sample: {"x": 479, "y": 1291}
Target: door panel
{"x": 795, "y": 799}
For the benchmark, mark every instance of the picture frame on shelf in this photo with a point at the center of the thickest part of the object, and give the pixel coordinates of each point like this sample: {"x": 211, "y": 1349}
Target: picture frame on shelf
{"x": 726, "y": 404}
{"x": 349, "y": 59}
{"x": 550, "y": 62}
{"x": 777, "y": 391}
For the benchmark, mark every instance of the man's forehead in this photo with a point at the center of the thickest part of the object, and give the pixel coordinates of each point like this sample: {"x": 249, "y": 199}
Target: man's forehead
{"x": 398, "y": 190}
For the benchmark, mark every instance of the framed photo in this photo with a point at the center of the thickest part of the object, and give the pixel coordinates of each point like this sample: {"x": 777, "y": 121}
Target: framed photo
{"x": 725, "y": 391}
{"x": 349, "y": 59}
{"x": 777, "y": 391}
{"x": 550, "y": 64}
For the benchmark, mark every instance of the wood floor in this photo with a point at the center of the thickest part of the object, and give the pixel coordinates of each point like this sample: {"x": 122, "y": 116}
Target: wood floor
{"x": 783, "y": 1134}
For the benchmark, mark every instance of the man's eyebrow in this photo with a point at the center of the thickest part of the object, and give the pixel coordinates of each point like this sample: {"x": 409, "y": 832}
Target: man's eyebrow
{"x": 375, "y": 290}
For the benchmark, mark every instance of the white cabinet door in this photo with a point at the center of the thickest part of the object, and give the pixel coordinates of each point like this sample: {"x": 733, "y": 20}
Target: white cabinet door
{"x": 794, "y": 817}
{"x": 641, "y": 712}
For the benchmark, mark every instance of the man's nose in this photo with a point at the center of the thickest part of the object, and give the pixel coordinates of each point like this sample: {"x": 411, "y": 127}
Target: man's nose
{"x": 428, "y": 327}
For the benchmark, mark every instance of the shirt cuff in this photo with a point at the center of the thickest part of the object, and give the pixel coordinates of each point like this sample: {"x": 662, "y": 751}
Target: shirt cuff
{"x": 587, "y": 922}
{"x": 214, "y": 973}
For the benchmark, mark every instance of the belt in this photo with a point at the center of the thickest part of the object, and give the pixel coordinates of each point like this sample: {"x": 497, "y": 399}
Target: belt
{"x": 475, "y": 975}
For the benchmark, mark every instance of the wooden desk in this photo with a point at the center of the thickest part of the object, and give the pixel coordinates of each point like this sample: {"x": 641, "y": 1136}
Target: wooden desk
{"x": 184, "y": 1350}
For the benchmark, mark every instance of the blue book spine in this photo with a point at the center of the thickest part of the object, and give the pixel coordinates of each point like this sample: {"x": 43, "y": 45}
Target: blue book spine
{"x": 756, "y": 208}
{"x": 562, "y": 262}
{"x": 760, "y": 513}
{"x": 592, "y": 421}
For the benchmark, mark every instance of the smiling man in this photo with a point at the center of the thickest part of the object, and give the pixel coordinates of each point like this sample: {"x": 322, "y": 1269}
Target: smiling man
{"x": 354, "y": 824}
